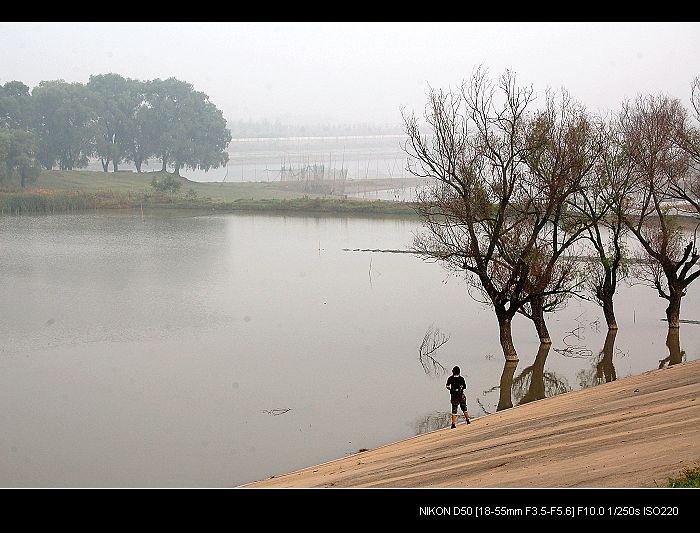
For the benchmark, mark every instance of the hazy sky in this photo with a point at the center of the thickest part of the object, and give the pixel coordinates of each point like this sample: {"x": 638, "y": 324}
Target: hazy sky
{"x": 357, "y": 72}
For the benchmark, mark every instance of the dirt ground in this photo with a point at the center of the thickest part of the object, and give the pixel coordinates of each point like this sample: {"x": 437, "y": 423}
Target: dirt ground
{"x": 634, "y": 432}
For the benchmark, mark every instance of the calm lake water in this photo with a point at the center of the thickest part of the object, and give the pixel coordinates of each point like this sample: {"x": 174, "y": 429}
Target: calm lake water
{"x": 217, "y": 350}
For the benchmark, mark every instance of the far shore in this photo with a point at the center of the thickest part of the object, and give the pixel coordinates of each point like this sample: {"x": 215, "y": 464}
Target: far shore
{"x": 59, "y": 191}
{"x": 635, "y": 432}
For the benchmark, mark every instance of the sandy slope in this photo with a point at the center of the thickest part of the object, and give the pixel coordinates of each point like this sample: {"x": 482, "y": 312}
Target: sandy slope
{"x": 628, "y": 433}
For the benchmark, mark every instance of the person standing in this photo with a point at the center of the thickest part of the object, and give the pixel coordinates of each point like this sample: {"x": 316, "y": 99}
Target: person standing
{"x": 456, "y": 385}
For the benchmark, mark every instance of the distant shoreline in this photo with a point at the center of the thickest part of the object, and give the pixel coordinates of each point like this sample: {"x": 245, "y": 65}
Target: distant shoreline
{"x": 59, "y": 191}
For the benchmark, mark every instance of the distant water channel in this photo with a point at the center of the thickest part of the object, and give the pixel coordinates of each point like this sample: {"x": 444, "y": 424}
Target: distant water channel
{"x": 262, "y": 159}
{"x": 217, "y": 350}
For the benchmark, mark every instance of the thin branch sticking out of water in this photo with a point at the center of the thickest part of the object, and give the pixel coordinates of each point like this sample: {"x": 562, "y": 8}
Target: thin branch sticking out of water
{"x": 277, "y": 411}
{"x": 432, "y": 341}
{"x": 478, "y": 400}
{"x": 378, "y": 250}
{"x": 572, "y": 349}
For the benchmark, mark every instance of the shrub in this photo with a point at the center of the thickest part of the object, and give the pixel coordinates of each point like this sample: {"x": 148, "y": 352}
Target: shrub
{"x": 168, "y": 183}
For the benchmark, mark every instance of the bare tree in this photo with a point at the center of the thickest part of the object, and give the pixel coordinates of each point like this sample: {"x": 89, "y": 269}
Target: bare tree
{"x": 552, "y": 280}
{"x": 486, "y": 210}
{"x": 602, "y": 203}
{"x": 687, "y": 188}
{"x": 649, "y": 127}
{"x": 565, "y": 146}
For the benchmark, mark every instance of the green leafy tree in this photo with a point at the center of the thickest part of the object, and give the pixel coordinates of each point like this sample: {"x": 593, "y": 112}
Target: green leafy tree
{"x": 142, "y": 126}
{"x": 65, "y": 124}
{"x": 188, "y": 130}
{"x": 15, "y": 106}
{"x": 18, "y": 164}
{"x": 115, "y": 106}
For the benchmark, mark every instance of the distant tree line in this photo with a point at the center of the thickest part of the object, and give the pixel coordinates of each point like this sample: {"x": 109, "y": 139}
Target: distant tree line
{"x": 114, "y": 119}
{"x": 536, "y": 203}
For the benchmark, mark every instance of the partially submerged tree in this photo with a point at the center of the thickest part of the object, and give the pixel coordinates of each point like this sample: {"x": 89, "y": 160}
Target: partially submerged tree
{"x": 496, "y": 209}
{"x": 687, "y": 188}
{"x": 602, "y": 203}
{"x": 467, "y": 213}
{"x": 649, "y": 127}
{"x": 564, "y": 147}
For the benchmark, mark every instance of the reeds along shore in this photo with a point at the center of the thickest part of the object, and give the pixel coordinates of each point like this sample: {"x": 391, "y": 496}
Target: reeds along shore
{"x": 39, "y": 201}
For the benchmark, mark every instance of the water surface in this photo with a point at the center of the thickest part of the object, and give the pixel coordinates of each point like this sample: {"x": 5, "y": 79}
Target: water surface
{"x": 217, "y": 350}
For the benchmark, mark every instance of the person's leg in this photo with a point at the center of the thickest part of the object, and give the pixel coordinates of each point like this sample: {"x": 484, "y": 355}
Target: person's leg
{"x": 463, "y": 405}
{"x": 454, "y": 415}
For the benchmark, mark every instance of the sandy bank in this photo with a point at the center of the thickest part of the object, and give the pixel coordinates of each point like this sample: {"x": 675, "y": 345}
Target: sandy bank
{"x": 629, "y": 433}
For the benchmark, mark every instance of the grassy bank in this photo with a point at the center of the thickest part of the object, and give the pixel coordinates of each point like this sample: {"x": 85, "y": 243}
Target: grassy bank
{"x": 67, "y": 191}
{"x": 689, "y": 478}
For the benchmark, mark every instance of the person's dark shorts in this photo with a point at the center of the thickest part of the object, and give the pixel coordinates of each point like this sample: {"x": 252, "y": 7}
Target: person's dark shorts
{"x": 460, "y": 401}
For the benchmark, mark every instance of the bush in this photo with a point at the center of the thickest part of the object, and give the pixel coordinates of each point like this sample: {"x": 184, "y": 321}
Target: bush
{"x": 689, "y": 478}
{"x": 168, "y": 183}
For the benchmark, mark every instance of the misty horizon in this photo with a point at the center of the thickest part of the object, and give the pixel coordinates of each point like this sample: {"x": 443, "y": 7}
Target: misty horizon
{"x": 306, "y": 74}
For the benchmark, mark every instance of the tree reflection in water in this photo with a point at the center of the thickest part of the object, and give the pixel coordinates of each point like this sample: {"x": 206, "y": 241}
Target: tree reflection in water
{"x": 675, "y": 354}
{"x": 505, "y": 388}
{"x": 533, "y": 383}
{"x": 603, "y": 370}
{"x": 433, "y": 422}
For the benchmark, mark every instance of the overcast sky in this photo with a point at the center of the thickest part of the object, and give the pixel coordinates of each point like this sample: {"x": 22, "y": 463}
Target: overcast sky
{"x": 357, "y": 72}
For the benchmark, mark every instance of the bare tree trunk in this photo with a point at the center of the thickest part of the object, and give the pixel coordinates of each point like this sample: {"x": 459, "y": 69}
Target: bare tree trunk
{"x": 138, "y": 166}
{"x": 165, "y": 164}
{"x": 609, "y": 311}
{"x": 114, "y": 166}
{"x": 505, "y": 399}
{"x": 537, "y": 306}
{"x": 504, "y": 326}
{"x": 673, "y": 311}
{"x": 673, "y": 342}
{"x": 105, "y": 164}
{"x": 177, "y": 169}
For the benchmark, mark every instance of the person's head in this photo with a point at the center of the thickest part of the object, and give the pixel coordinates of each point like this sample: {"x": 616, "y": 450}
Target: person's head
{"x": 455, "y": 371}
